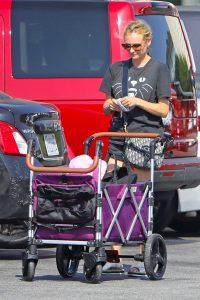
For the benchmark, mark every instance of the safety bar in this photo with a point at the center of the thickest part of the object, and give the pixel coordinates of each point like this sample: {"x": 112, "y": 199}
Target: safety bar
{"x": 41, "y": 169}
{"x": 98, "y": 151}
{"x": 88, "y": 141}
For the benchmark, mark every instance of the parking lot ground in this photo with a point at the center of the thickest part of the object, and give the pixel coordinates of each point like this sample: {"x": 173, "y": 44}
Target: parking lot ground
{"x": 181, "y": 279}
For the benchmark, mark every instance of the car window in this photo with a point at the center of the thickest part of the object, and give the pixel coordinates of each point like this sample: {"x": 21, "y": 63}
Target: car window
{"x": 59, "y": 39}
{"x": 169, "y": 47}
{"x": 191, "y": 21}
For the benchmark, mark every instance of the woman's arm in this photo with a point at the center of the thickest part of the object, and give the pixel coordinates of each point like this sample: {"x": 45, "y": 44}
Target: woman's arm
{"x": 109, "y": 106}
{"x": 159, "y": 109}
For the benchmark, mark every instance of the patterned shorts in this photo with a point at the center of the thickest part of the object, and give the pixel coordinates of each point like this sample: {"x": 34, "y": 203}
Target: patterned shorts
{"x": 137, "y": 152}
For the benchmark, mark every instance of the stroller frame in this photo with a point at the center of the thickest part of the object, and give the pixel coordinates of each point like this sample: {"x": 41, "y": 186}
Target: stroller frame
{"x": 71, "y": 250}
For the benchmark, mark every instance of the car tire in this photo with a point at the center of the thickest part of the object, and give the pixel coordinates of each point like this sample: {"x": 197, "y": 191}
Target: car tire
{"x": 186, "y": 224}
{"x": 13, "y": 236}
{"x": 165, "y": 209}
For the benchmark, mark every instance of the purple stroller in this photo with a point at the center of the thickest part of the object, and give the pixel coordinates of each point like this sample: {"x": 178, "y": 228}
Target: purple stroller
{"x": 83, "y": 215}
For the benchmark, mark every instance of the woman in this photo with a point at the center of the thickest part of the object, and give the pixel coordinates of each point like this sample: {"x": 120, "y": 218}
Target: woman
{"x": 147, "y": 100}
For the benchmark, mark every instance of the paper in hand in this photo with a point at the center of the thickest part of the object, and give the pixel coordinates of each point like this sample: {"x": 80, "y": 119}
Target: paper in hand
{"x": 122, "y": 107}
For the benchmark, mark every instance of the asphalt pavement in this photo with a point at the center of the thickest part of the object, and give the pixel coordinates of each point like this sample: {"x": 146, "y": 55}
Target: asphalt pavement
{"x": 181, "y": 279}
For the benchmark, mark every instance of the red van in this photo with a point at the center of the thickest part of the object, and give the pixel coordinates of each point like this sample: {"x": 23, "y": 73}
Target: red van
{"x": 57, "y": 51}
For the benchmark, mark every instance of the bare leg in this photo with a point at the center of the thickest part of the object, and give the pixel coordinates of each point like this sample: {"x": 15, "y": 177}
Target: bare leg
{"x": 114, "y": 267}
{"x": 142, "y": 175}
{"x": 118, "y": 248}
{"x": 141, "y": 248}
{"x": 111, "y": 164}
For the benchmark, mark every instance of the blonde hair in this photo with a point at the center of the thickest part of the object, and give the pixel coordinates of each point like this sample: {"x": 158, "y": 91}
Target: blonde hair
{"x": 139, "y": 27}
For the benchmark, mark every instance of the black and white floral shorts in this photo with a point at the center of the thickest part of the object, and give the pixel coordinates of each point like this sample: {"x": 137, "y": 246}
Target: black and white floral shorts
{"x": 137, "y": 152}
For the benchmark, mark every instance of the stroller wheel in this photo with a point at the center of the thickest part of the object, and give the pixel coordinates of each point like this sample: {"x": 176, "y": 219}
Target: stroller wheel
{"x": 67, "y": 264}
{"x": 155, "y": 257}
{"x": 94, "y": 275}
{"x": 28, "y": 269}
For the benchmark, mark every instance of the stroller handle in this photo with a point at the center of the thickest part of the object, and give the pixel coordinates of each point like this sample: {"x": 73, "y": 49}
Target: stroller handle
{"x": 42, "y": 169}
{"x": 88, "y": 141}
{"x": 125, "y": 134}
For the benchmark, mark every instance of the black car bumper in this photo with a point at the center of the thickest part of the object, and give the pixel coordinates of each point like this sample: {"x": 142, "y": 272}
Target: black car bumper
{"x": 14, "y": 189}
{"x": 178, "y": 173}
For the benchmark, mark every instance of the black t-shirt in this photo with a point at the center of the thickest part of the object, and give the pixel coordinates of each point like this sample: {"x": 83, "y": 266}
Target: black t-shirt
{"x": 149, "y": 83}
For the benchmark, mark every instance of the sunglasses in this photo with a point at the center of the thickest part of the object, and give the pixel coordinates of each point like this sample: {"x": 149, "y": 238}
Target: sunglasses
{"x": 136, "y": 47}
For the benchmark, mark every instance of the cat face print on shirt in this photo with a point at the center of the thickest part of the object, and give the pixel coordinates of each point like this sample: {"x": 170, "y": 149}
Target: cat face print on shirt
{"x": 139, "y": 88}
{"x": 136, "y": 88}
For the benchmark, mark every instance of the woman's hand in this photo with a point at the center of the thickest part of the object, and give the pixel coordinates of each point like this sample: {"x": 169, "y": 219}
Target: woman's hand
{"x": 160, "y": 108}
{"x": 130, "y": 102}
{"x": 110, "y": 106}
{"x": 114, "y": 106}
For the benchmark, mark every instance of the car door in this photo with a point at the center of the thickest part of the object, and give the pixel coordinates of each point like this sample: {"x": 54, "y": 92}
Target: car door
{"x": 1, "y": 54}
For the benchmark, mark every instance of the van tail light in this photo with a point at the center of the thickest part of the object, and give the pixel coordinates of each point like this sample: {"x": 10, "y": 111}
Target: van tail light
{"x": 198, "y": 123}
{"x": 11, "y": 141}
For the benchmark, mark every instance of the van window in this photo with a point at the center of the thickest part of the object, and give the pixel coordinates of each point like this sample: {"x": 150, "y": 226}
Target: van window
{"x": 169, "y": 47}
{"x": 59, "y": 39}
{"x": 191, "y": 20}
